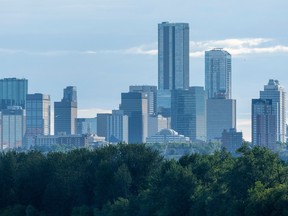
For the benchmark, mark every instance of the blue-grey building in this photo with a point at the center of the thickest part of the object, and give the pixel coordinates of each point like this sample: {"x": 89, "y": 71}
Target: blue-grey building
{"x": 173, "y": 62}
{"x": 151, "y": 92}
{"x": 188, "y": 112}
{"x": 13, "y": 92}
{"x": 65, "y": 112}
{"x": 134, "y": 105}
{"x": 86, "y": 125}
{"x": 38, "y": 110}
{"x": 221, "y": 115}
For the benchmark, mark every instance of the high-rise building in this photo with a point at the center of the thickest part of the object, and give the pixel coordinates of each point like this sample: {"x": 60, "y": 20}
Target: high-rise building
{"x": 151, "y": 92}
{"x": 65, "y": 112}
{"x": 103, "y": 124}
{"x": 157, "y": 123}
{"x": 86, "y": 126}
{"x": 218, "y": 74}
{"x": 134, "y": 105}
{"x": 264, "y": 123}
{"x": 173, "y": 56}
{"x": 37, "y": 117}
{"x": 173, "y": 62}
{"x": 188, "y": 113}
{"x": 274, "y": 91}
{"x": 13, "y": 92}
{"x": 13, "y": 127}
{"x": 118, "y": 127}
{"x": 221, "y": 115}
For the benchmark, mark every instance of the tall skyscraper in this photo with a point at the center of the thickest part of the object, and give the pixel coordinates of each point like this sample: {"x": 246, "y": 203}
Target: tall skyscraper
{"x": 218, "y": 73}
{"x": 38, "y": 114}
{"x": 173, "y": 62}
{"x": 188, "y": 116}
{"x": 134, "y": 105}
{"x": 264, "y": 123}
{"x": 65, "y": 112}
{"x": 151, "y": 92}
{"x": 173, "y": 56}
{"x": 277, "y": 94}
{"x": 13, "y": 92}
{"x": 13, "y": 127}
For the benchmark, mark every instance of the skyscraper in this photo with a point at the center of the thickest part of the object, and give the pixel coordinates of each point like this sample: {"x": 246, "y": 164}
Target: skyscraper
{"x": 13, "y": 127}
{"x": 264, "y": 124}
{"x": 221, "y": 115}
{"x": 218, "y": 73}
{"x": 37, "y": 114}
{"x": 13, "y": 92}
{"x": 65, "y": 112}
{"x": 277, "y": 94}
{"x": 173, "y": 56}
{"x": 151, "y": 92}
{"x": 173, "y": 62}
{"x": 188, "y": 116}
{"x": 134, "y": 105}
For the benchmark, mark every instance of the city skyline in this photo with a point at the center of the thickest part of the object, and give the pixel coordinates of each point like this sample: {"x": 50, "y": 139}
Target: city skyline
{"x": 94, "y": 44}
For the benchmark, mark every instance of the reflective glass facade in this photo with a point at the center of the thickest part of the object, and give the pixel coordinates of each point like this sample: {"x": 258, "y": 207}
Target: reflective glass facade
{"x": 218, "y": 74}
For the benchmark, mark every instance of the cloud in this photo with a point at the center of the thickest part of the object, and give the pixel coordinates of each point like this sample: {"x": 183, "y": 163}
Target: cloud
{"x": 237, "y": 47}
{"x": 91, "y": 113}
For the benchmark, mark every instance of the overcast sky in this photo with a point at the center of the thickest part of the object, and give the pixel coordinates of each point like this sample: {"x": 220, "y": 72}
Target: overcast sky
{"x": 103, "y": 46}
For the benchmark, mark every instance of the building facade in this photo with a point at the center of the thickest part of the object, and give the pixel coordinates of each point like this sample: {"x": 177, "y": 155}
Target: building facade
{"x": 38, "y": 109}
{"x": 151, "y": 92}
{"x": 231, "y": 140}
{"x": 86, "y": 125}
{"x": 221, "y": 115}
{"x": 173, "y": 56}
{"x": 264, "y": 123}
{"x": 218, "y": 74}
{"x": 188, "y": 113}
{"x": 65, "y": 112}
{"x": 13, "y": 92}
{"x": 274, "y": 91}
{"x": 134, "y": 105}
{"x": 12, "y": 127}
{"x": 173, "y": 62}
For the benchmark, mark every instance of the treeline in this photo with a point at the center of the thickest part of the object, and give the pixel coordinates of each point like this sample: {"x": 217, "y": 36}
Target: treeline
{"x": 136, "y": 180}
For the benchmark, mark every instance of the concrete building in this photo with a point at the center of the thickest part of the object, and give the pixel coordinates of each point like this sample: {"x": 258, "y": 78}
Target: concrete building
{"x": 12, "y": 127}
{"x": 65, "y": 112}
{"x": 156, "y": 124}
{"x": 274, "y": 91}
{"x": 118, "y": 127}
{"x": 264, "y": 123}
{"x": 218, "y": 74}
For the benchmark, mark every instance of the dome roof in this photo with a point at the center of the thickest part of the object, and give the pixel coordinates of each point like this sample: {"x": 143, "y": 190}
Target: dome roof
{"x": 167, "y": 131}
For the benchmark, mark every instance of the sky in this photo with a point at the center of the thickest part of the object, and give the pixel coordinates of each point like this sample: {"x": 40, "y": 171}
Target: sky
{"x": 103, "y": 46}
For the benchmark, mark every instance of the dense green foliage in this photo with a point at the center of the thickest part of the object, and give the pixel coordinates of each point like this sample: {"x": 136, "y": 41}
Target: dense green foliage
{"x": 136, "y": 180}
